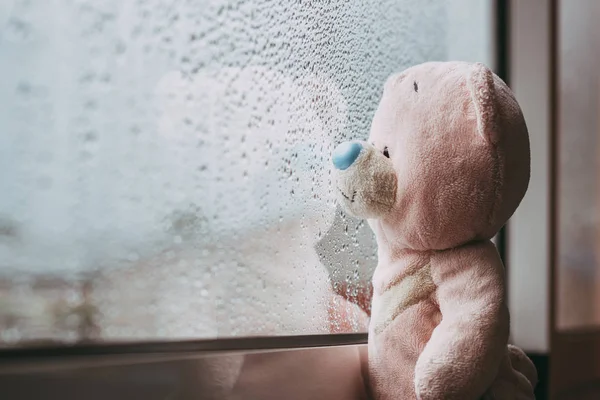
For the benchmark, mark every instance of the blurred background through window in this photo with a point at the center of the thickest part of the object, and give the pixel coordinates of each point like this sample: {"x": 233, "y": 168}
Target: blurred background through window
{"x": 164, "y": 164}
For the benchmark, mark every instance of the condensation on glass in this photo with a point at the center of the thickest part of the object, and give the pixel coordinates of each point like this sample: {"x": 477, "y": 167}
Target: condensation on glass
{"x": 164, "y": 164}
{"x": 578, "y": 269}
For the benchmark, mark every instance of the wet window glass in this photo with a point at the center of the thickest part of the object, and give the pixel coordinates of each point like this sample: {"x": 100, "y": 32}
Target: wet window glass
{"x": 165, "y": 164}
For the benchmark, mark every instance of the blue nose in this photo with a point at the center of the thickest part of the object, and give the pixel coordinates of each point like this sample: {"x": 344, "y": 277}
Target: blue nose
{"x": 345, "y": 154}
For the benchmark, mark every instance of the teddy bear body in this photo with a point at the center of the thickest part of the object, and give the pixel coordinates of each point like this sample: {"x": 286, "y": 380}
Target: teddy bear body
{"x": 408, "y": 297}
{"x": 445, "y": 165}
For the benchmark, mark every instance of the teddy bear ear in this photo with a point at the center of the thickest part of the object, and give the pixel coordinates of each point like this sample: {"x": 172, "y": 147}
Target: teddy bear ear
{"x": 482, "y": 88}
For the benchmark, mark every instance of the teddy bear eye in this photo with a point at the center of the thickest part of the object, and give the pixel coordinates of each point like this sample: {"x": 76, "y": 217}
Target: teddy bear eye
{"x": 386, "y": 152}
{"x": 416, "y": 86}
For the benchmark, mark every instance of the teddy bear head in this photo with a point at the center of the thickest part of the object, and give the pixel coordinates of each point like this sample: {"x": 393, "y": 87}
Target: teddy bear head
{"x": 446, "y": 162}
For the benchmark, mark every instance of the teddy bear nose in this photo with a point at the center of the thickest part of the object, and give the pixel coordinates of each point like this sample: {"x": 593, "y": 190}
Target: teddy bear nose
{"x": 345, "y": 154}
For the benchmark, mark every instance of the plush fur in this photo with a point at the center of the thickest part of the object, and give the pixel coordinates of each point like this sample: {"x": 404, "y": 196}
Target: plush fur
{"x": 445, "y": 166}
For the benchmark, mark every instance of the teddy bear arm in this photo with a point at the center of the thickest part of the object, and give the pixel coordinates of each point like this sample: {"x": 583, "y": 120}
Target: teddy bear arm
{"x": 358, "y": 294}
{"x": 462, "y": 357}
{"x": 345, "y": 316}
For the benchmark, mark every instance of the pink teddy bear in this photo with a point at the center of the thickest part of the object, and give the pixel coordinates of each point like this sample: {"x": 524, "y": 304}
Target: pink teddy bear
{"x": 445, "y": 166}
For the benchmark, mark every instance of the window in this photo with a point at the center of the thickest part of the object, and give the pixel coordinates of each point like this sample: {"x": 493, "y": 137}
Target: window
{"x": 165, "y": 163}
{"x": 578, "y": 216}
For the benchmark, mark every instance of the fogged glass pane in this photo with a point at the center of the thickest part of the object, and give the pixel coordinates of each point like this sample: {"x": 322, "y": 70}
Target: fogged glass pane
{"x": 165, "y": 164}
{"x": 578, "y": 275}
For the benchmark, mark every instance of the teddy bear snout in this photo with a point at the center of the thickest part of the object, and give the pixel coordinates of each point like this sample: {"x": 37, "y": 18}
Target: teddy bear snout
{"x": 345, "y": 154}
{"x": 365, "y": 179}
